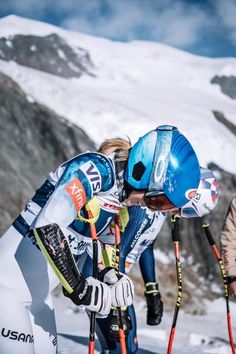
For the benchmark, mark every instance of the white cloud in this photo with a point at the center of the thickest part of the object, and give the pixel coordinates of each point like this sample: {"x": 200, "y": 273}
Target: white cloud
{"x": 226, "y": 11}
{"x": 180, "y": 23}
{"x": 121, "y": 22}
{"x": 175, "y": 23}
{"x": 26, "y": 7}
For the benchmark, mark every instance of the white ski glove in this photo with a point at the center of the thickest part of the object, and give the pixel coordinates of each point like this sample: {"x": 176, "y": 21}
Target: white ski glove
{"x": 100, "y": 300}
{"x": 122, "y": 288}
{"x": 122, "y": 292}
{"x": 94, "y": 295}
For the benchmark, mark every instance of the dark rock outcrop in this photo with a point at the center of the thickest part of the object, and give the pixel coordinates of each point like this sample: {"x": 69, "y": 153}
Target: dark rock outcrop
{"x": 34, "y": 140}
{"x": 227, "y": 84}
{"x": 50, "y": 54}
{"x": 226, "y": 122}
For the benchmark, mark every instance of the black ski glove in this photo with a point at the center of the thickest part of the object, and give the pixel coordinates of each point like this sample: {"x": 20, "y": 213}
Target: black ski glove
{"x": 113, "y": 324}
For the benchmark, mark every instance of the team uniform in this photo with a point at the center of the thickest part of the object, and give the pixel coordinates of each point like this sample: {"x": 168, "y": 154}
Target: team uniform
{"x": 36, "y": 251}
{"x": 137, "y": 243}
{"x": 26, "y": 279}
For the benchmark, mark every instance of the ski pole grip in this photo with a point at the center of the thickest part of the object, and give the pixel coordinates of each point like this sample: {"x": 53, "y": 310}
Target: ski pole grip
{"x": 208, "y": 234}
{"x": 175, "y": 231}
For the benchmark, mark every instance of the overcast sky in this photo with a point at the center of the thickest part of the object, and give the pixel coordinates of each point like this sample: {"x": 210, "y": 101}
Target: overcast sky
{"x": 202, "y": 27}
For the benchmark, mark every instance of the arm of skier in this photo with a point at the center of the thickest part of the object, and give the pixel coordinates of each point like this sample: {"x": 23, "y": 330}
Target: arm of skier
{"x": 228, "y": 245}
{"x": 73, "y": 190}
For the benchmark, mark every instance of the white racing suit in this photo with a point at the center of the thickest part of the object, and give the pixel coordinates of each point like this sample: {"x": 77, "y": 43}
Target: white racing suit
{"x": 27, "y": 321}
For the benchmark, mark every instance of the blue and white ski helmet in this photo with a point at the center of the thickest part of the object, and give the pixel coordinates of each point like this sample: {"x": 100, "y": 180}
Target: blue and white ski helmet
{"x": 163, "y": 160}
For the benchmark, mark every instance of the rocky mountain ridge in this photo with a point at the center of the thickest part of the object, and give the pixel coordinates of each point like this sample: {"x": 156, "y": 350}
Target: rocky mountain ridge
{"x": 50, "y": 54}
{"x": 34, "y": 139}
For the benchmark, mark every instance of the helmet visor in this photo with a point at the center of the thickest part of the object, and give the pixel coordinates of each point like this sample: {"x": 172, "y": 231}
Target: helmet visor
{"x": 158, "y": 201}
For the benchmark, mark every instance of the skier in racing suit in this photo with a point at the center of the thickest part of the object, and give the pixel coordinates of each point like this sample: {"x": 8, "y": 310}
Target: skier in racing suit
{"x": 36, "y": 251}
{"x": 137, "y": 244}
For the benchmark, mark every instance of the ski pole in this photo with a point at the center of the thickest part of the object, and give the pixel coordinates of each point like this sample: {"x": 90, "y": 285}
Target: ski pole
{"x": 175, "y": 238}
{"x": 120, "y": 321}
{"x": 226, "y": 288}
{"x": 95, "y": 275}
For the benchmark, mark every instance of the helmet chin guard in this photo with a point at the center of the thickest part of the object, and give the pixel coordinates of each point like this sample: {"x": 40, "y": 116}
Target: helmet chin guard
{"x": 205, "y": 198}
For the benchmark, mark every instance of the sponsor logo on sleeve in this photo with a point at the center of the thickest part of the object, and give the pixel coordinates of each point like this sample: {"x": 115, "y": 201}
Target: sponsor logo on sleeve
{"x": 93, "y": 175}
{"x": 76, "y": 190}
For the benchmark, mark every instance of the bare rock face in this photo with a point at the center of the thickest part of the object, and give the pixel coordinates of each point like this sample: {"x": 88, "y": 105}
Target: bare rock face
{"x": 50, "y": 54}
{"x": 220, "y": 117}
{"x": 34, "y": 141}
{"x": 227, "y": 84}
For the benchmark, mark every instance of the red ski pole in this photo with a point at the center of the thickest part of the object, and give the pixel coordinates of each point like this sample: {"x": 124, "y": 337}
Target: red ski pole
{"x": 121, "y": 327}
{"x": 175, "y": 238}
{"x": 95, "y": 275}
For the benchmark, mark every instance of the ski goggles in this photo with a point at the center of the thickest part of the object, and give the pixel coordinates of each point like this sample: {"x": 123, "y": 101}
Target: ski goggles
{"x": 158, "y": 201}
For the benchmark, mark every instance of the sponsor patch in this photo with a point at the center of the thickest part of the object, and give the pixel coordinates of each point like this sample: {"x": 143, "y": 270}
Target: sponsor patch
{"x": 110, "y": 206}
{"x": 93, "y": 175}
{"x": 76, "y": 190}
{"x": 190, "y": 193}
{"x": 18, "y": 336}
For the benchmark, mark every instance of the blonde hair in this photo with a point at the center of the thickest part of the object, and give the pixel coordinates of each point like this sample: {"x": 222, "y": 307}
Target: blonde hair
{"x": 119, "y": 146}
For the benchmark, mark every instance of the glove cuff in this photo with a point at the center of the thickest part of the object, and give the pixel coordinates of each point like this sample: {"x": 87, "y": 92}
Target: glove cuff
{"x": 82, "y": 293}
{"x": 109, "y": 276}
{"x": 103, "y": 272}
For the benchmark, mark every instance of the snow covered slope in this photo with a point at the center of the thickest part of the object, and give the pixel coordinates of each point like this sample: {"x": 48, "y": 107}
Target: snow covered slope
{"x": 194, "y": 334}
{"x": 138, "y": 85}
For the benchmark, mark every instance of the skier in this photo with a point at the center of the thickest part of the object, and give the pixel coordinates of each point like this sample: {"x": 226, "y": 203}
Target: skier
{"x": 137, "y": 245}
{"x": 228, "y": 245}
{"x": 160, "y": 171}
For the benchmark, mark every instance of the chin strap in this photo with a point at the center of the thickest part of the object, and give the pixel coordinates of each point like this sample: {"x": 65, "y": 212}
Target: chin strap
{"x": 120, "y": 181}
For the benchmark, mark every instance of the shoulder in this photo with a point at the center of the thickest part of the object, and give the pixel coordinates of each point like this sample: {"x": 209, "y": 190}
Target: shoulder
{"x": 96, "y": 168}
